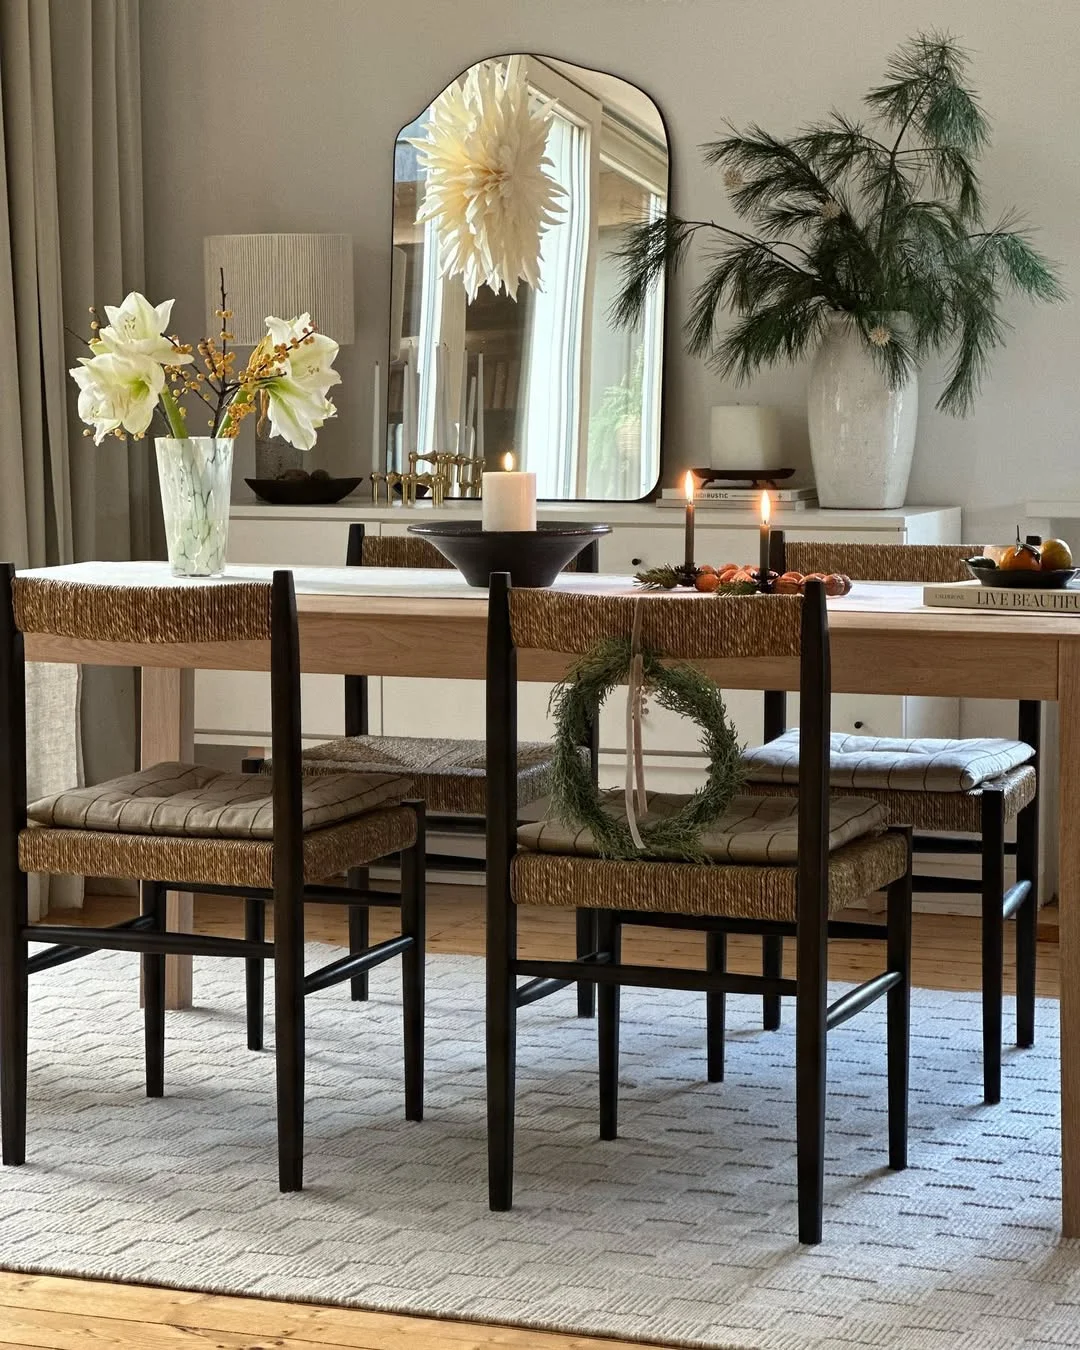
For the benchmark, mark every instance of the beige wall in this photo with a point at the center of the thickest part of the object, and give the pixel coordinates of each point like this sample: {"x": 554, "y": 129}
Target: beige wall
{"x": 264, "y": 115}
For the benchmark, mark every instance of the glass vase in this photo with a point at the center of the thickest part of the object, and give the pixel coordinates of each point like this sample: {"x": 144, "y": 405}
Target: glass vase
{"x": 195, "y": 478}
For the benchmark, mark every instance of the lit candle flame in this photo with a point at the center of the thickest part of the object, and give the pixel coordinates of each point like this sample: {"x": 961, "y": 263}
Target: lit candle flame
{"x": 508, "y": 462}
{"x": 688, "y": 486}
{"x": 766, "y": 508}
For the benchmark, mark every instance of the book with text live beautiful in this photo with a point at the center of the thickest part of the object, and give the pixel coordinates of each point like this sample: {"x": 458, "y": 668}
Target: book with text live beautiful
{"x": 974, "y": 595}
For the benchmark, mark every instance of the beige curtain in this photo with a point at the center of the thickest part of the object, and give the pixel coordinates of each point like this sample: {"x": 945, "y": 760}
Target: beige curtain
{"x": 70, "y": 237}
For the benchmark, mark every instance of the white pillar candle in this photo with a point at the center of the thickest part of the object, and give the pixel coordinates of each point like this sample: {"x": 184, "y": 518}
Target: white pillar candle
{"x": 745, "y": 436}
{"x": 508, "y": 499}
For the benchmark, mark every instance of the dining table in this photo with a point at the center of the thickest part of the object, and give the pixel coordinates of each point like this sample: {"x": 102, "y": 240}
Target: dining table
{"x": 427, "y": 623}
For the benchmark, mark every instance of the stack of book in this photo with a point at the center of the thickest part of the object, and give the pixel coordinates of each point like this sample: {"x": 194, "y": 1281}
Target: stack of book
{"x": 741, "y": 498}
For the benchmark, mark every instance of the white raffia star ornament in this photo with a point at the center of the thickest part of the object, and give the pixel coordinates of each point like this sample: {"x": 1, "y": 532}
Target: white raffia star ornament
{"x": 488, "y": 188}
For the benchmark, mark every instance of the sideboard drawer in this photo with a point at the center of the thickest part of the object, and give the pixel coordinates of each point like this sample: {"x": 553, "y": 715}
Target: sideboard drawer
{"x": 289, "y": 543}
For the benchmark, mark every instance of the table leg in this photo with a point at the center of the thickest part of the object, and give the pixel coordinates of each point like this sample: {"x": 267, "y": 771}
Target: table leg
{"x": 1069, "y": 932}
{"x": 168, "y": 698}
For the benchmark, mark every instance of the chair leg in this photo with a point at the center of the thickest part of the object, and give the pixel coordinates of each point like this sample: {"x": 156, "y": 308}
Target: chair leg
{"x": 1027, "y": 923}
{"x": 359, "y": 935}
{"x": 586, "y": 944}
{"x": 14, "y": 982}
{"x": 811, "y": 1005}
{"x": 254, "y": 971}
{"x": 716, "y": 1006}
{"x": 501, "y": 1050}
{"x": 772, "y": 967}
{"x": 289, "y": 1033}
{"x": 993, "y": 925}
{"x": 152, "y": 902}
{"x": 898, "y": 1013}
{"x": 413, "y": 909}
{"x": 609, "y": 941}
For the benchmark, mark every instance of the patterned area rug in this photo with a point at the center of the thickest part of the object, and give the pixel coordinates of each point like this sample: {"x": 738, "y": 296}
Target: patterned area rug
{"x": 679, "y": 1232}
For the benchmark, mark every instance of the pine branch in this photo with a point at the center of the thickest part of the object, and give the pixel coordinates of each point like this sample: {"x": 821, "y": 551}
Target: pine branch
{"x": 872, "y": 225}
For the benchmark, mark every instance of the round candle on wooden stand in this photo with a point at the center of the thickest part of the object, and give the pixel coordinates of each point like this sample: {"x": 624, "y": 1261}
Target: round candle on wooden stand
{"x": 508, "y": 499}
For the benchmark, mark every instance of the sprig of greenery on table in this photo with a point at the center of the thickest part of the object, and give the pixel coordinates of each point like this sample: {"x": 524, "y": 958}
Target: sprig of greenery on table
{"x": 883, "y": 222}
{"x": 667, "y": 577}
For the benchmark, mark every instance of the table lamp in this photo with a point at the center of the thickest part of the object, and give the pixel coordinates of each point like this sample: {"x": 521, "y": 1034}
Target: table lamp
{"x": 284, "y": 275}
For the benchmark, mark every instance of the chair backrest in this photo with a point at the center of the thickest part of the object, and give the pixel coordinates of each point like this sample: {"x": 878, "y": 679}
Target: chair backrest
{"x": 695, "y": 628}
{"x": 881, "y": 562}
{"x": 150, "y": 616}
{"x": 396, "y": 550}
{"x": 410, "y": 550}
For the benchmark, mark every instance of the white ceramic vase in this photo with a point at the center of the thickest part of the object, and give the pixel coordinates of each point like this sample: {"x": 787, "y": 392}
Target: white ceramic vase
{"x": 195, "y": 478}
{"x": 862, "y": 433}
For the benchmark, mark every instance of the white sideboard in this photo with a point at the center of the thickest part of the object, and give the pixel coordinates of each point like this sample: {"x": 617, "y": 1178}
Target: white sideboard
{"x": 232, "y": 710}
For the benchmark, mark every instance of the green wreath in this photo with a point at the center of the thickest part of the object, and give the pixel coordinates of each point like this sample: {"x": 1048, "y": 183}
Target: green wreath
{"x": 682, "y": 689}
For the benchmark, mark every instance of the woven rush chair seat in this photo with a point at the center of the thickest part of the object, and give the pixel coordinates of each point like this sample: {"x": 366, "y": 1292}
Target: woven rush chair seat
{"x": 449, "y": 775}
{"x": 192, "y": 799}
{"x": 213, "y": 862}
{"x": 755, "y": 830}
{"x": 766, "y": 893}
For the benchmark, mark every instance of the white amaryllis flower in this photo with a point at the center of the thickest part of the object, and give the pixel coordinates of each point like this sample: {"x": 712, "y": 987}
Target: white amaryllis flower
{"x": 303, "y": 374}
{"x": 118, "y": 391}
{"x": 488, "y": 188}
{"x": 137, "y": 328}
{"x": 311, "y": 359}
{"x": 296, "y": 412}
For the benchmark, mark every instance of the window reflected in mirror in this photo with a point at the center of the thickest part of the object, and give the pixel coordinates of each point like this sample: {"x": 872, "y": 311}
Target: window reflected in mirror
{"x": 543, "y": 373}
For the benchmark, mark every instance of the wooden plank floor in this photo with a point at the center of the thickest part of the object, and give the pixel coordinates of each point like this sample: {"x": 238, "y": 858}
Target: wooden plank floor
{"x": 69, "y": 1314}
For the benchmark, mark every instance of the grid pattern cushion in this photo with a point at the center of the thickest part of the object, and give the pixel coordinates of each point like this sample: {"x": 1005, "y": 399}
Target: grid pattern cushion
{"x": 755, "y": 830}
{"x": 191, "y": 800}
{"x": 925, "y": 764}
{"x": 449, "y": 775}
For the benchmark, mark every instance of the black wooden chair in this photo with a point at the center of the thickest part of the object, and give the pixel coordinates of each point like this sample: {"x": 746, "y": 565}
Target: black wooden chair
{"x": 1001, "y": 788}
{"x": 798, "y": 878}
{"x": 448, "y": 773}
{"x": 188, "y": 827}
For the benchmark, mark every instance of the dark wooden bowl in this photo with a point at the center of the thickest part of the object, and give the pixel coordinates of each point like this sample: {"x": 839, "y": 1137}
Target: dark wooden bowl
{"x": 532, "y": 557}
{"x": 302, "y": 491}
{"x": 1019, "y": 580}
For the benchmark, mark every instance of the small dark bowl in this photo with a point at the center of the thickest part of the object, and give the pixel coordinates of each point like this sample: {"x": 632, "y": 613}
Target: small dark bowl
{"x": 1023, "y": 581}
{"x": 302, "y": 491}
{"x": 534, "y": 558}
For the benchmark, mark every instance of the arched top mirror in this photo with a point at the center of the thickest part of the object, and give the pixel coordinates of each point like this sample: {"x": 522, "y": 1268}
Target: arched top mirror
{"x": 512, "y": 191}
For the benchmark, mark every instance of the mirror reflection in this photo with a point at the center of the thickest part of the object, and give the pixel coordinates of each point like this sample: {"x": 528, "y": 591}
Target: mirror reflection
{"x": 512, "y": 191}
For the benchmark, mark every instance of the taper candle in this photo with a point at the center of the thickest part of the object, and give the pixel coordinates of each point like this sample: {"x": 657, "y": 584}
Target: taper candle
{"x": 688, "y": 484}
{"x": 462, "y": 443}
{"x": 480, "y": 406}
{"x": 378, "y": 434}
{"x": 763, "y": 555}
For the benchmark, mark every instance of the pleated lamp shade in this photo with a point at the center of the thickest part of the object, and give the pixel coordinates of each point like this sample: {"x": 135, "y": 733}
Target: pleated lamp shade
{"x": 285, "y": 275}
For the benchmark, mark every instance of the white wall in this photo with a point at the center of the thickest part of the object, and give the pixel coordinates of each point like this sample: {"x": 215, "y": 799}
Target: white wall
{"x": 264, "y": 115}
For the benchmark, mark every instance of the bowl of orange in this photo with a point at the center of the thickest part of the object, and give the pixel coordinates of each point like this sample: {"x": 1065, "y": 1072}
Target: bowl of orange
{"x": 1029, "y": 564}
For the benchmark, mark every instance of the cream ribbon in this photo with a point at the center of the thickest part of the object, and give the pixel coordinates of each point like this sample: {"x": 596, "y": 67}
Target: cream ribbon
{"x": 636, "y": 801}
